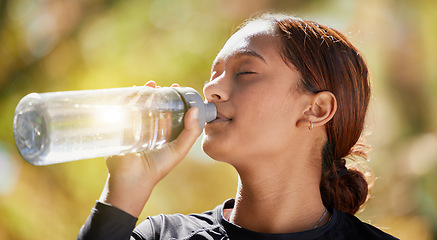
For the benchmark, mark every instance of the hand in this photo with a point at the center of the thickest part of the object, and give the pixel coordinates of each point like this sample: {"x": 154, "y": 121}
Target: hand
{"x": 132, "y": 177}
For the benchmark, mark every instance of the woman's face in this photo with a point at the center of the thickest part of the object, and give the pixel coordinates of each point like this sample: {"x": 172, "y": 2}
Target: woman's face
{"x": 256, "y": 96}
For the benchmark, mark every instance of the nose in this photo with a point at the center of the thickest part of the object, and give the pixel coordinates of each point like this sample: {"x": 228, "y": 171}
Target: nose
{"x": 217, "y": 90}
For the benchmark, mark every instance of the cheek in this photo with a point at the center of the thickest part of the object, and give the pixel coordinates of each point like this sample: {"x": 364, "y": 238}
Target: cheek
{"x": 271, "y": 119}
{"x": 266, "y": 108}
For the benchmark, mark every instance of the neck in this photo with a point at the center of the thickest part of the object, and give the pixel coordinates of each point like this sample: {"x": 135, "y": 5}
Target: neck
{"x": 278, "y": 199}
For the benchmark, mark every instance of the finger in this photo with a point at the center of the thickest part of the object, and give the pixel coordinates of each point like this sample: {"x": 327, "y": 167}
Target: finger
{"x": 183, "y": 143}
{"x": 190, "y": 120}
{"x": 164, "y": 159}
{"x": 150, "y": 84}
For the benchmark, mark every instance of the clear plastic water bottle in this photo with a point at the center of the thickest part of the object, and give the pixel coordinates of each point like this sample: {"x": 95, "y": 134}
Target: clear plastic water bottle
{"x": 66, "y": 126}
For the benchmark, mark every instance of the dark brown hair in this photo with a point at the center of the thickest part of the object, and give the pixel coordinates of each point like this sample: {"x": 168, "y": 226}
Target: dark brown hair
{"x": 327, "y": 61}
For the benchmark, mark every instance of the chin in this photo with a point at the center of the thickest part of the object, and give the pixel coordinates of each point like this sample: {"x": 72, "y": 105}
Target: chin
{"x": 213, "y": 148}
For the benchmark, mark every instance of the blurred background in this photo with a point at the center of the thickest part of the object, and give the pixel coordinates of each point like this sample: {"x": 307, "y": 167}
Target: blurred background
{"x": 57, "y": 45}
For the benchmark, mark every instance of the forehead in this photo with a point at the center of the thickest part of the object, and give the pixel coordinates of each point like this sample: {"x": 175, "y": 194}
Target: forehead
{"x": 254, "y": 37}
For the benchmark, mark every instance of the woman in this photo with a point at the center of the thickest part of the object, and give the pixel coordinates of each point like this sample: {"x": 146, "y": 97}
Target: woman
{"x": 291, "y": 97}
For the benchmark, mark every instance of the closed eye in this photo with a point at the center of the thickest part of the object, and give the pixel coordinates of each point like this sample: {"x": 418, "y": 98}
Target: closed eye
{"x": 244, "y": 73}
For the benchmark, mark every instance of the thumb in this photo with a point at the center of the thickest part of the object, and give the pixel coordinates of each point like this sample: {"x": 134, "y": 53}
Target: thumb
{"x": 164, "y": 159}
{"x": 183, "y": 143}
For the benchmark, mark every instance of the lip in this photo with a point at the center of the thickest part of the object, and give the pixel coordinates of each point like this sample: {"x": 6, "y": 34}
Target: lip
{"x": 221, "y": 118}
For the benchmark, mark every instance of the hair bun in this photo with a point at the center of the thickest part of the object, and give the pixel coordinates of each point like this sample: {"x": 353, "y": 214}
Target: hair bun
{"x": 345, "y": 190}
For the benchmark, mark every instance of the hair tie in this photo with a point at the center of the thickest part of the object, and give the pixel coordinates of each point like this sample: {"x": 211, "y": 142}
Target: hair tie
{"x": 342, "y": 171}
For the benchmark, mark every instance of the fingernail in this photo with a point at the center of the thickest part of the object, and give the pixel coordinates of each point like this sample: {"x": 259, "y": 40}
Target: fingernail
{"x": 195, "y": 113}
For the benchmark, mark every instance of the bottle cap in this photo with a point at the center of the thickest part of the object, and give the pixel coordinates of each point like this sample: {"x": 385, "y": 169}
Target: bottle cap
{"x": 207, "y": 110}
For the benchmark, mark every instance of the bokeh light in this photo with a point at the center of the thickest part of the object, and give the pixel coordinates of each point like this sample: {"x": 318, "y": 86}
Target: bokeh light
{"x": 58, "y": 45}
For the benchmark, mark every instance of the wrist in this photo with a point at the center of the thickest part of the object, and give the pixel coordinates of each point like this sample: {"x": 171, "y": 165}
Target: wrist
{"x": 125, "y": 194}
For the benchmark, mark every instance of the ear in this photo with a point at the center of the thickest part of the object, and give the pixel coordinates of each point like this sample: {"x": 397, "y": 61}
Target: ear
{"x": 322, "y": 109}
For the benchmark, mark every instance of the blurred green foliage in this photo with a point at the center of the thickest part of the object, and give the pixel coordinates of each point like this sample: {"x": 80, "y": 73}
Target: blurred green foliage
{"x": 57, "y": 45}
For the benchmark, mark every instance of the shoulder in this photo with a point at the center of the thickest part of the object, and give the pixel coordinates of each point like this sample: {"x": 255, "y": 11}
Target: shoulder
{"x": 179, "y": 226}
{"x": 354, "y": 228}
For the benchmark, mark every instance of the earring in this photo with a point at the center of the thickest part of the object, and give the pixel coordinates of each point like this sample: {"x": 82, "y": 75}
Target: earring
{"x": 311, "y": 126}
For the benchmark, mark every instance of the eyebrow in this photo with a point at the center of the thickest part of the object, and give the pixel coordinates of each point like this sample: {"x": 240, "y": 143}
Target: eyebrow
{"x": 243, "y": 52}
{"x": 249, "y": 52}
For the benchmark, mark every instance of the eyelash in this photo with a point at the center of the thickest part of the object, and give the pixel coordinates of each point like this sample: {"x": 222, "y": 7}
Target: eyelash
{"x": 238, "y": 74}
{"x": 243, "y": 73}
